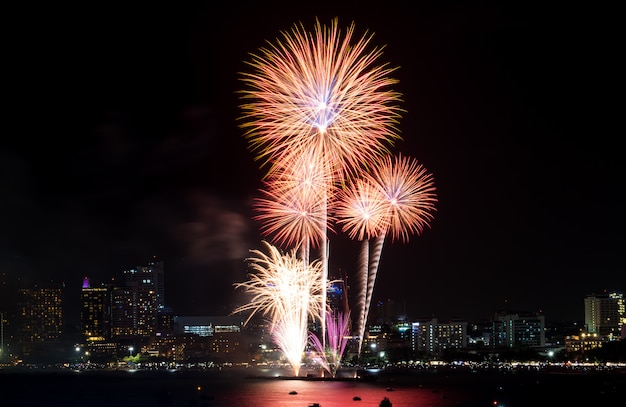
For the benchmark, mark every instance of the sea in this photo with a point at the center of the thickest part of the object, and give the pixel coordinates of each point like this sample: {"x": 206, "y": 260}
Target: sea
{"x": 240, "y": 387}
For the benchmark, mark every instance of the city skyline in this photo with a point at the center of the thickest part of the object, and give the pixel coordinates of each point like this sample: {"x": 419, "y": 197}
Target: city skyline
{"x": 384, "y": 309}
{"x": 116, "y": 315}
{"x": 128, "y": 147}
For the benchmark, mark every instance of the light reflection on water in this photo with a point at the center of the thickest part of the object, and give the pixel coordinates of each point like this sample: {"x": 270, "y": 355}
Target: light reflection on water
{"x": 264, "y": 393}
{"x": 234, "y": 389}
{"x": 167, "y": 389}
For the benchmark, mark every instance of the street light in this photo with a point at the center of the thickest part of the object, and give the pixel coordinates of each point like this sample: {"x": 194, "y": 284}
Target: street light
{"x": 130, "y": 350}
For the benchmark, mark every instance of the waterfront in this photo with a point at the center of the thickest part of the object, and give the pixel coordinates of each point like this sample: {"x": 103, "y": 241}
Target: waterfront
{"x": 232, "y": 387}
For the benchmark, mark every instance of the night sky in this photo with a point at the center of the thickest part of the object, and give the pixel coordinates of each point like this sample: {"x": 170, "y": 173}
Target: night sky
{"x": 121, "y": 142}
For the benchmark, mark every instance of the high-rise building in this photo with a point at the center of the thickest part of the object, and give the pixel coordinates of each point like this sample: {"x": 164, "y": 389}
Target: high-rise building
{"x": 432, "y": 336}
{"x": 40, "y": 314}
{"x": 152, "y": 275}
{"x": 39, "y": 322}
{"x": 337, "y": 297}
{"x": 95, "y": 312}
{"x": 123, "y": 313}
{"x": 605, "y": 314}
{"x": 133, "y": 312}
{"x": 127, "y": 309}
{"x": 135, "y": 302}
{"x": 518, "y": 330}
{"x": 2, "y": 352}
{"x": 8, "y": 294}
{"x": 165, "y": 321}
{"x": 9, "y": 287}
{"x": 390, "y": 311}
{"x": 95, "y": 316}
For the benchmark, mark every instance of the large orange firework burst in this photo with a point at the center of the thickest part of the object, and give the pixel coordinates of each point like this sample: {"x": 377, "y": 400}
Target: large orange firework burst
{"x": 320, "y": 91}
{"x": 410, "y": 193}
{"x": 293, "y": 210}
{"x": 398, "y": 197}
{"x": 362, "y": 210}
{"x": 292, "y": 216}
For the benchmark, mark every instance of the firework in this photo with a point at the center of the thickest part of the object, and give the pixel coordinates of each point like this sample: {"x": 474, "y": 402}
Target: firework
{"x": 285, "y": 290}
{"x": 362, "y": 212}
{"x": 317, "y": 109}
{"x": 293, "y": 209}
{"x": 320, "y": 94}
{"x": 320, "y": 91}
{"x": 337, "y": 330}
{"x": 398, "y": 198}
{"x": 410, "y": 192}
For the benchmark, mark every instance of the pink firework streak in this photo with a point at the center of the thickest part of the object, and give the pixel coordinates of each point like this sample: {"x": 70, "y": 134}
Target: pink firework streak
{"x": 330, "y": 356}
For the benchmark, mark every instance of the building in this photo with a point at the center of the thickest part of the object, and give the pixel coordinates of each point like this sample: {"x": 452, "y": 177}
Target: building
{"x": 583, "y": 343}
{"x": 518, "y": 330}
{"x": 605, "y": 314}
{"x": 39, "y": 323}
{"x": 165, "y": 321}
{"x": 390, "y": 311}
{"x": 3, "y": 353}
{"x": 216, "y": 339}
{"x": 153, "y": 274}
{"x": 40, "y": 314}
{"x": 207, "y": 325}
{"x": 117, "y": 315}
{"x": 95, "y": 312}
{"x": 433, "y": 337}
{"x": 135, "y": 302}
{"x": 95, "y": 317}
{"x": 337, "y": 295}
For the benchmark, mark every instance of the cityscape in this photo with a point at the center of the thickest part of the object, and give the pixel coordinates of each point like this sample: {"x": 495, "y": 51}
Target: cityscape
{"x": 437, "y": 143}
{"x": 128, "y": 320}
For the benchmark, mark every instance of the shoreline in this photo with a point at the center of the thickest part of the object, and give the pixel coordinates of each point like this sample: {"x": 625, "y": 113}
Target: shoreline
{"x": 316, "y": 374}
{"x": 225, "y": 387}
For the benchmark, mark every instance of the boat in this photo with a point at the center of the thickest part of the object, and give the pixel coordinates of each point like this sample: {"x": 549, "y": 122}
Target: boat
{"x": 356, "y": 398}
{"x": 293, "y": 392}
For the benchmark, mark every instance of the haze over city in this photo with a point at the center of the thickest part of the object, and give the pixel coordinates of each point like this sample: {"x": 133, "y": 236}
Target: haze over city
{"x": 125, "y": 144}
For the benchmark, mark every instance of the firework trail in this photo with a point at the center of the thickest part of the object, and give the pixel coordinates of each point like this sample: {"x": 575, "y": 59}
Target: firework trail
{"x": 409, "y": 192}
{"x": 362, "y": 212}
{"x": 403, "y": 193}
{"x": 286, "y": 290}
{"x": 319, "y": 94}
{"x": 372, "y": 271}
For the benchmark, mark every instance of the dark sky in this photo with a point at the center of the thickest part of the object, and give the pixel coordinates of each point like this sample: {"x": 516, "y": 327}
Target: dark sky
{"x": 121, "y": 143}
